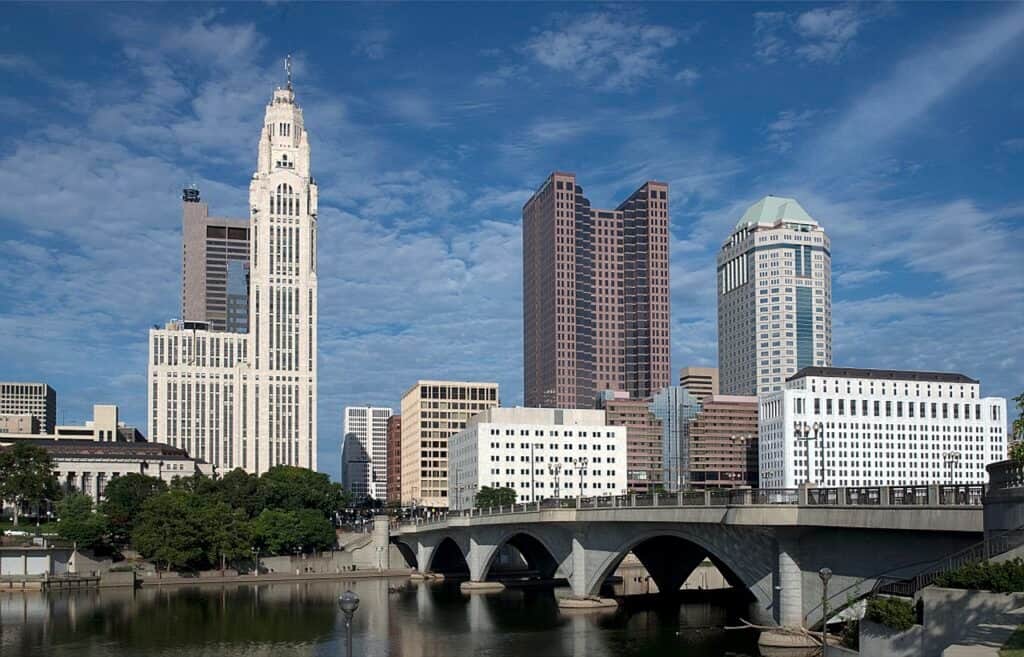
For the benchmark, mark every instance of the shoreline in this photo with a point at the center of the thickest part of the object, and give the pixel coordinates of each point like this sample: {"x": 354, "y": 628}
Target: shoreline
{"x": 152, "y": 582}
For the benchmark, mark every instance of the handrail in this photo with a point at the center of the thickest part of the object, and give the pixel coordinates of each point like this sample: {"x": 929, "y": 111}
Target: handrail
{"x": 907, "y": 496}
{"x": 952, "y": 561}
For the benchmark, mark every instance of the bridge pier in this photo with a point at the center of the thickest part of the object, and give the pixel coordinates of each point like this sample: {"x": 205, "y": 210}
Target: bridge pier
{"x": 789, "y": 602}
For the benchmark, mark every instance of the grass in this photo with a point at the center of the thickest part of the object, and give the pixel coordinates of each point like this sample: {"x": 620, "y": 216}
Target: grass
{"x": 1014, "y": 647}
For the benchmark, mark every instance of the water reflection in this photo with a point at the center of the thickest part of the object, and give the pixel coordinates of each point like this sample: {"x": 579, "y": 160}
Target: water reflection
{"x": 395, "y": 619}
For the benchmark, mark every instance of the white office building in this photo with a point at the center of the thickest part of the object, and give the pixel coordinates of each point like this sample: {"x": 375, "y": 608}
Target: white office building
{"x": 774, "y": 298}
{"x": 857, "y": 427}
{"x": 539, "y": 453}
{"x": 364, "y": 451}
{"x": 249, "y": 400}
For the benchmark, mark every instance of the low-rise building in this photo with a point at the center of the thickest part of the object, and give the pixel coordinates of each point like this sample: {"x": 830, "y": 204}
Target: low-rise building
{"x": 644, "y": 439}
{"x": 105, "y": 426}
{"x": 722, "y": 439}
{"x": 860, "y": 427}
{"x": 539, "y": 453}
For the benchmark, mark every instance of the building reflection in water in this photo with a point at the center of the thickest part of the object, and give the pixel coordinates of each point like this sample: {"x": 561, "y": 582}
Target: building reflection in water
{"x": 396, "y": 618}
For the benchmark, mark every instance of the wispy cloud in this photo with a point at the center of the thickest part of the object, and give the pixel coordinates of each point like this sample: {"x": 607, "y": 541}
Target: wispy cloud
{"x": 373, "y": 43}
{"x": 819, "y": 35}
{"x": 609, "y": 51}
{"x": 687, "y": 76}
{"x": 915, "y": 85}
{"x": 780, "y": 133}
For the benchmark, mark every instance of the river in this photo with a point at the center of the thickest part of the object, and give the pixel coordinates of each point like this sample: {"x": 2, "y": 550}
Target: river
{"x": 396, "y": 618}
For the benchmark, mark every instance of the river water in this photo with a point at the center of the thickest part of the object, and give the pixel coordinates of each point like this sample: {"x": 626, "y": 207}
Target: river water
{"x": 396, "y": 618}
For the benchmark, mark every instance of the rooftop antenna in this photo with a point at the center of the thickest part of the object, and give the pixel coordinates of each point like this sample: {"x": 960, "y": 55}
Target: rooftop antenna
{"x": 288, "y": 69}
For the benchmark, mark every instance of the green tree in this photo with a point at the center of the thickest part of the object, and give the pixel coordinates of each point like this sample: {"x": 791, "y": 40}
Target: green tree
{"x": 289, "y": 488}
{"x": 240, "y": 490}
{"x": 488, "y": 497}
{"x": 197, "y": 483}
{"x": 227, "y": 534}
{"x": 275, "y": 531}
{"x": 315, "y": 531}
{"x": 1018, "y": 423}
{"x": 26, "y": 477}
{"x": 169, "y": 530}
{"x": 78, "y": 522}
{"x": 124, "y": 498}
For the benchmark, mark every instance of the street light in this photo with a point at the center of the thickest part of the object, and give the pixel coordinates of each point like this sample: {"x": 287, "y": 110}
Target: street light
{"x": 349, "y": 602}
{"x": 554, "y": 469}
{"x": 808, "y": 433}
{"x": 256, "y": 555}
{"x": 951, "y": 459}
{"x": 825, "y": 574}
{"x": 581, "y": 465}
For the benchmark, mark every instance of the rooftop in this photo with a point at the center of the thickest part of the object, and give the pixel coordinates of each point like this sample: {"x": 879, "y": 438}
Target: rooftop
{"x": 887, "y": 375}
{"x": 92, "y": 449}
{"x": 772, "y": 209}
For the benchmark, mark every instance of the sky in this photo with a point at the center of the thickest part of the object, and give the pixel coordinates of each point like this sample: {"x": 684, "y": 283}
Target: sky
{"x": 898, "y": 127}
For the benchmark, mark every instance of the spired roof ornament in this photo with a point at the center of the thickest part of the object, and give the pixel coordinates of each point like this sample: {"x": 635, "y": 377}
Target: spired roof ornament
{"x": 288, "y": 69}
{"x": 772, "y": 209}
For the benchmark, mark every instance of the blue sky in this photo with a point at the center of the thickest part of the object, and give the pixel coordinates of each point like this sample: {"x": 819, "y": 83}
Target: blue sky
{"x": 899, "y": 127}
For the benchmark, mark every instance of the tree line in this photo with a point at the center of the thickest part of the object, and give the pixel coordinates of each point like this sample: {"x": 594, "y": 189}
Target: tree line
{"x": 194, "y": 522}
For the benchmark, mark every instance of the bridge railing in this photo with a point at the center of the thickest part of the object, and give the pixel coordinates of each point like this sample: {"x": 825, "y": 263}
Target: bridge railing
{"x": 959, "y": 495}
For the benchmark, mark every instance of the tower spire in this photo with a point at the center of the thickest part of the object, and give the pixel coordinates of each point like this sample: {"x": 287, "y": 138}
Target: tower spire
{"x": 288, "y": 69}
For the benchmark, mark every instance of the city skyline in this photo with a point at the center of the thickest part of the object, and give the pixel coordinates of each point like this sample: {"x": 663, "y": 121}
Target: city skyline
{"x": 420, "y": 239}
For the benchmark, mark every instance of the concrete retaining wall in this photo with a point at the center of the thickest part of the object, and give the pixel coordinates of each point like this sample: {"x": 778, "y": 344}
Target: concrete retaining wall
{"x": 881, "y": 641}
{"x": 955, "y": 616}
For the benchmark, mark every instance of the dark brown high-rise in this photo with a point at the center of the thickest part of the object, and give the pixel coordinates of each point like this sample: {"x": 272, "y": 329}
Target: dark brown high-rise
{"x": 394, "y": 459}
{"x": 595, "y": 295}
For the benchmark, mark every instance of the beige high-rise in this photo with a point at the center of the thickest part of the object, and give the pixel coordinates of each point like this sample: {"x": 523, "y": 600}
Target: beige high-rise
{"x": 215, "y": 267}
{"x": 701, "y": 382}
{"x": 433, "y": 411}
{"x": 774, "y": 298}
{"x": 595, "y": 295}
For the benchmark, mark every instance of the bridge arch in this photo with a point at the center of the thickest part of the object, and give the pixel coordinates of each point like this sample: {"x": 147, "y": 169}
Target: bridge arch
{"x": 408, "y": 552}
{"x": 448, "y": 558}
{"x": 536, "y": 549}
{"x": 670, "y": 555}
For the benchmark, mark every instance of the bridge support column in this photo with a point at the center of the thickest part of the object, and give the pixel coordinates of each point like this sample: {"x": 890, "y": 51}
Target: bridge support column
{"x": 789, "y": 590}
{"x": 581, "y": 598}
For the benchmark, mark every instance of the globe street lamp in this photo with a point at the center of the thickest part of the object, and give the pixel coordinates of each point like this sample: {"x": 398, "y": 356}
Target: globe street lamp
{"x": 825, "y": 574}
{"x": 581, "y": 465}
{"x": 348, "y": 602}
{"x": 554, "y": 469}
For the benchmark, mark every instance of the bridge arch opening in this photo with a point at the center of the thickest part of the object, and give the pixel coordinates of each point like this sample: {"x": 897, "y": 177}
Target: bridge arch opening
{"x": 669, "y": 560}
{"x": 408, "y": 554}
{"x": 521, "y": 551}
{"x": 448, "y": 559}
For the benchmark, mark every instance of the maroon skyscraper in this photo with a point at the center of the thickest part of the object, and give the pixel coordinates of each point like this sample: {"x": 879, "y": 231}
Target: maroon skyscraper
{"x": 595, "y": 295}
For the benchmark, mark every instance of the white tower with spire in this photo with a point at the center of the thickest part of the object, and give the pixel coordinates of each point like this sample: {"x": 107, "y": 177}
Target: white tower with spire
{"x": 283, "y": 290}
{"x": 249, "y": 400}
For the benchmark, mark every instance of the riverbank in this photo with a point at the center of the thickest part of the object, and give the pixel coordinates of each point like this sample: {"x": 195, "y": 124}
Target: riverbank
{"x": 174, "y": 579}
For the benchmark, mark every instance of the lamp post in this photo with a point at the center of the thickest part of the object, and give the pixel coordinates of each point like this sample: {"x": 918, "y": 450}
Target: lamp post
{"x": 256, "y": 555}
{"x": 825, "y": 574}
{"x": 807, "y": 433}
{"x": 348, "y": 602}
{"x": 951, "y": 459}
{"x": 554, "y": 469}
{"x": 581, "y": 465}
{"x": 533, "y": 470}
{"x": 743, "y": 442}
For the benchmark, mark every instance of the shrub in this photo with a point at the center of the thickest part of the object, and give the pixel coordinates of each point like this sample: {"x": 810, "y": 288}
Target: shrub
{"x": 1004, "y": 577}
{"x": 892, "y": 612}
{"x": 1017, "y": 452}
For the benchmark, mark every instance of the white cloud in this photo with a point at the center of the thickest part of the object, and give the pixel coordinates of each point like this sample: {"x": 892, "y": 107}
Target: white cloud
{"x": 688, "y": 76}
{"x": 857, "y": 277}
{"x": 612, "y": 52}
{"x": 819, "y": 35}
{"x": 372, "y": 43}
{"x": 915, "y": 86}
{"x": 1015, "y": 145}
{"x": 780, "y": 133}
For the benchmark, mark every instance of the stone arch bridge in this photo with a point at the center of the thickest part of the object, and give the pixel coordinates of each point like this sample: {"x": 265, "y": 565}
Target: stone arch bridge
{"x": 769, "y": 546}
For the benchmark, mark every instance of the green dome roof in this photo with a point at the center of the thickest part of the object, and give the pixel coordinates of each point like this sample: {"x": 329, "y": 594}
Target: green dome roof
{"x": 772, "y": 209}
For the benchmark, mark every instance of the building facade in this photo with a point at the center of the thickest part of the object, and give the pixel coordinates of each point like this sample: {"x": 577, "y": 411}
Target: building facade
{"x": 774, "y": 298}
{"x": 104, "y": 427}
{"x": 674, "y": 406}
{"x": 701, "y": 382}
{"x": 723, "y": 443}
{"x": 365, "y": 450}
{"x": 36, "y": 399}
{"x": 215, "y": 267}
{"x": 644, "y": 439}
{"x": 250, "y": 400}
{"x": 595, "y": 295}
{"x": 394, "y": 457}
{"x": 432, "y": 412}
{"x": 859, "y": 427}
{"x": 539, "y": 453}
